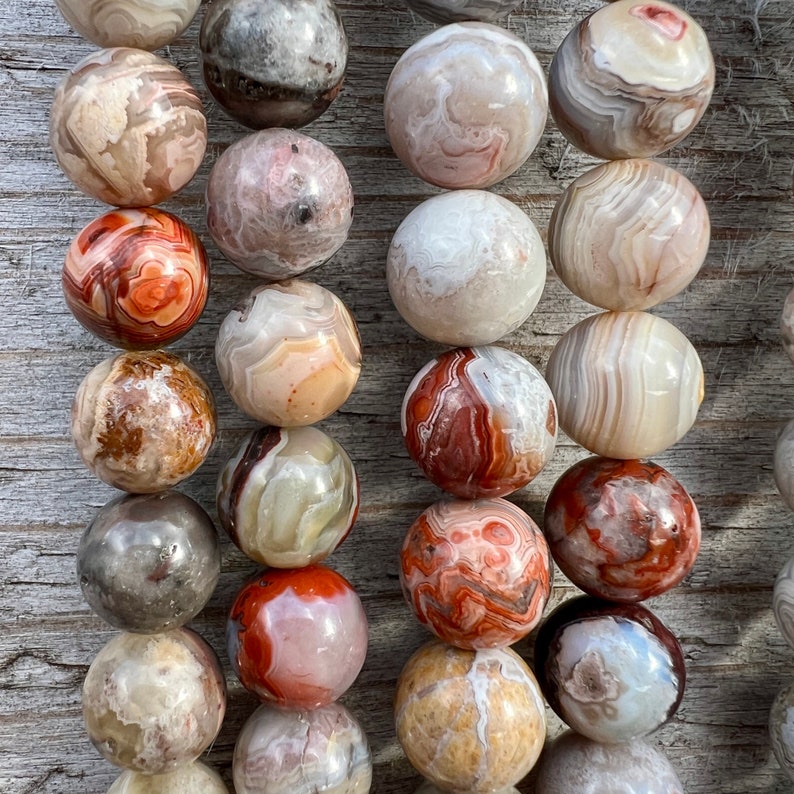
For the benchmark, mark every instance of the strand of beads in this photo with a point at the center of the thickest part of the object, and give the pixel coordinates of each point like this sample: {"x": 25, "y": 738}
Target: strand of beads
{"x": 279, "y": 204}
{"x": 466, "y": 268}
{"x": 155, "y": 696}
{"x": 624, "y": 237}
{"x": 780, "y": 714}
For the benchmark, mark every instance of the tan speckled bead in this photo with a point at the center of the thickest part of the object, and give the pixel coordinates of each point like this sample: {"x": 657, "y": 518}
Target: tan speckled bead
{"x": 127, "y": 128}
{"x": 469, "y": 721}
{"x": 627, "y": 384}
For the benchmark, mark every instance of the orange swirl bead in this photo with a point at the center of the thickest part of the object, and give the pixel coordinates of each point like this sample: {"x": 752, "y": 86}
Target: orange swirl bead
{"x": 136, "y": 278}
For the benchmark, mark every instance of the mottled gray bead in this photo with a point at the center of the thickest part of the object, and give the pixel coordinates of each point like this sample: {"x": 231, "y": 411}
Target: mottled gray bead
{"x": 149, "y": 563}
{"x": 273, "y": 63}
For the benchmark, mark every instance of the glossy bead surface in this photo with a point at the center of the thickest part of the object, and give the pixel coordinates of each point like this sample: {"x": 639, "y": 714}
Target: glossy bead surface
{"x": 444, "y": 11}
{"x": 127, "y": 128}
{"x": 285, "y": 751}
{"x": 781, "y": 729}
{"x": 784, "y": 464}
{"x": 479, "y": 422}
{"x": 476, "y": 573}
{"x": 148, "y": 563}
{"x": 297, "y": 638}
{"x": 783, "y": 601}
{"x": 195, "y": 778}
{"x": 273, "y": 63}
{"x": 622, "y": 530}
{"x": 146, "y": 24}
{"x": 469, "y": 721}
{"x": 136, "y": 278}
{"x": 627, "y": 384}
{"x": 289, "y": 354}
{"x": 466, "y": 105}
{"x": 288, "y": 497}
{"x": 152, "y": 703}
{"x": 613, "y": 672}
{"x": 787, "y": 325}
{"x": 466, "y": 268}
{"x": 629, "y": 234}
{"x": 143, "y": 422}
{"x": 631, "y": 80}
{"x": 572, "y": 764}
{"x": 279, "y": 203}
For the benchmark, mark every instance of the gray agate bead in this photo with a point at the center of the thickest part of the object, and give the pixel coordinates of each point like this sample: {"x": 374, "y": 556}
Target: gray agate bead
{"x": 149, "y": 563}
{"x": 273, "y": 63}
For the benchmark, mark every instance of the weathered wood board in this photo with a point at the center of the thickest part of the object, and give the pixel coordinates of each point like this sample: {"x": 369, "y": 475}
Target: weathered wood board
{"x": 741, "y": 157}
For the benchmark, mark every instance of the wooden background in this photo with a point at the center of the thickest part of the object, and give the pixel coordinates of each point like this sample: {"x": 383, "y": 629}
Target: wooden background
{"x": 741, "y": 157}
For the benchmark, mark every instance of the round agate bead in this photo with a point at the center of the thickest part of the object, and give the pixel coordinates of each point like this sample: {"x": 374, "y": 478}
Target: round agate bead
{"x": 466, "y": 268}
{"x": 476, "y": 573}
{"x": 297, "y": 638}
{"x": 629, "y": 234}
{"x": 148, "y": 563}
{"x": 286, "y": 751}
{"x": 622, "y": 530}
{"x": 288, "y": 497}
{"x": 627, "y": 384}
{"x": 612, "y": 672}
{"x": 631, "y": 80}
{"x": 466, "y": 105}
{"x": 469, "y": 721}
{"x": 143, "y": 422}
{"x": 573, "y": 764}
{"x": 145, "y": 24}
{"x": 279, "y": 203}
{"x": 152, "y": 703}
{"x": 273, "y": 63}
{"x": 784, "y": 464}
{"x": 781, "y": 729}
{"x": 193, "y": 778}
{"x": 136, "y": 278}
{"x": 289, "y": 354}
{"x": 787, "y": 325}
{"x": 479, "y": 422}
{"x": 783, "y": 601}
{"x": 127, "y": 128}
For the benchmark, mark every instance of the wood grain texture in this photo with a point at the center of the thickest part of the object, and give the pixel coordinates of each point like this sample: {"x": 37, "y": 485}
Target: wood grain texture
{"x": 741, "y": 157}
